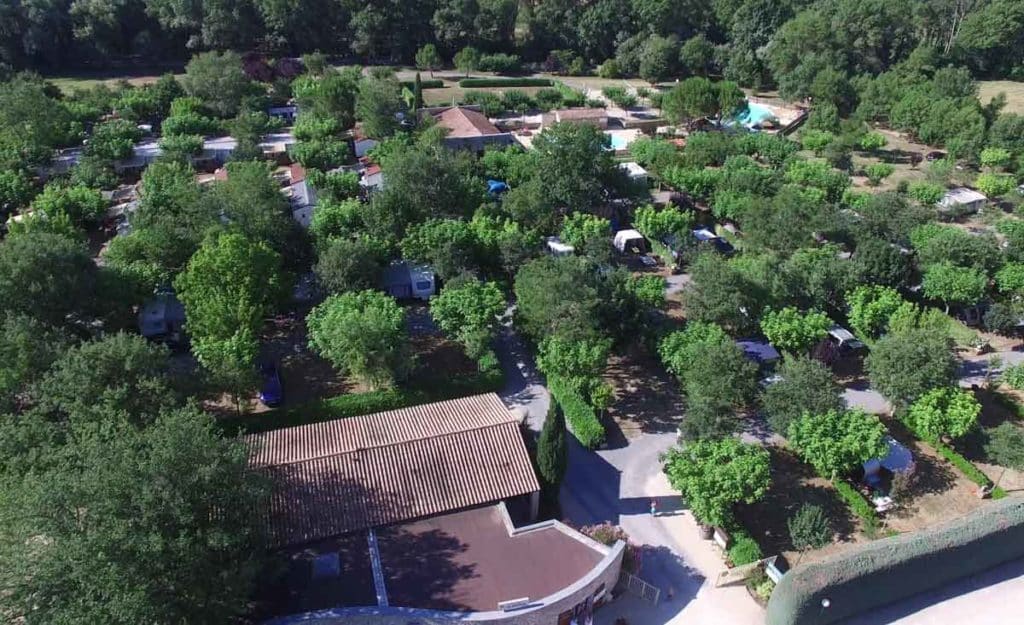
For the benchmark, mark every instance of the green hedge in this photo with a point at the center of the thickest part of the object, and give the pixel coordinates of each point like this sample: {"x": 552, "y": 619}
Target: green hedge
{"x": 579, "y": 415}
{"x": 353, "y": 404}
{"x": 433, "y": 83}
{"x": 874, "y": 574}
{"x": 965, "y": 466}
{"x": 472, "y": 83}
{"x": 858, "y": 504}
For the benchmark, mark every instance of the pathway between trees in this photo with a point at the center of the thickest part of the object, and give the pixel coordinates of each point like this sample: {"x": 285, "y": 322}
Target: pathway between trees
{"x": 617, "y": 485}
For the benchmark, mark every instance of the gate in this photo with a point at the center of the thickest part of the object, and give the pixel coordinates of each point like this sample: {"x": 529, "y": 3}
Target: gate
{"x": 641, "y": 588}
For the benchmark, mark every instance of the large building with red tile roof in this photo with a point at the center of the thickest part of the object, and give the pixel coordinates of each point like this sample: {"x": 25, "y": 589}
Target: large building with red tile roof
{"x": 469, "y": 129}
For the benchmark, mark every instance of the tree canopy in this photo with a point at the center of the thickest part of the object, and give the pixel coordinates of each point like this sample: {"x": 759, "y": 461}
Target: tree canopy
{"x": 836, "y": 442}
{"x": 713, "y": 476}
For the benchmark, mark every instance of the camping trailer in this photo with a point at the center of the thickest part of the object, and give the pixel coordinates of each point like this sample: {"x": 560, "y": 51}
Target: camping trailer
{"x": 630, "y": 241}
{"x": 403, "y": 280}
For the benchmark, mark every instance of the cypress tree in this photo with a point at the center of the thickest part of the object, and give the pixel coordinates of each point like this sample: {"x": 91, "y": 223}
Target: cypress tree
{"x": 552, "y": 451}
{"x": 417, "y": 93}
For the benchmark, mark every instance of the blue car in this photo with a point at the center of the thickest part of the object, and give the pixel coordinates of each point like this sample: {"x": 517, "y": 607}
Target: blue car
{"x": 270, "y": 392}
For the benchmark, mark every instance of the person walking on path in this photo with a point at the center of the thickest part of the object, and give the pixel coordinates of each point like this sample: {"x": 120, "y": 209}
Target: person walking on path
{"x": 654, "y": 508}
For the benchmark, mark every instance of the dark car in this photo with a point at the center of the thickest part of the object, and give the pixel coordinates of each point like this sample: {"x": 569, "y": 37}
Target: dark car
{"x": 934, "y": 156}
{"x": 270, "y": 391}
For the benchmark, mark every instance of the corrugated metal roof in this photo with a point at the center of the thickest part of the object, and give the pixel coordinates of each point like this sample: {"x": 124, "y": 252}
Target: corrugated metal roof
{"x": 350, "y": 474}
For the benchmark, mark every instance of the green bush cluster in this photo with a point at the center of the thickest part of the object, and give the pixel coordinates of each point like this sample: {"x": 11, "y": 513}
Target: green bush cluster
{"x": 431, "y": 83}
{"x": 473, "y": 83}
{"x": 744, "y": 550}
{"x": 858, "y": 504}
{"x": 581, "y": 417}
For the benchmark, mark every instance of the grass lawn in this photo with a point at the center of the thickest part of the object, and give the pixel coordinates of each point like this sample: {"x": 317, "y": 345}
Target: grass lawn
{"x": 70, "y": 84}
{"x": 1014, "y": 91}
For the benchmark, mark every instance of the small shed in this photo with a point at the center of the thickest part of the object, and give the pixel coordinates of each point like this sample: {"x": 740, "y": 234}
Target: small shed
{"x": 629, "y": 240}
{"x": 962, "y": 201}
{"x": 557, "y": 248}
{"x": 162, "y": 318}
{"x": 403, "y": 280}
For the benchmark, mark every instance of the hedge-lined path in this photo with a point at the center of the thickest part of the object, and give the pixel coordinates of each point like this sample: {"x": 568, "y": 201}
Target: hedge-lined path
{"x": 618, "y": 485}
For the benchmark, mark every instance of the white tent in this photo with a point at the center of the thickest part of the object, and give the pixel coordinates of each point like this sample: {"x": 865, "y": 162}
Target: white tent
{"x": 627, "y": 239}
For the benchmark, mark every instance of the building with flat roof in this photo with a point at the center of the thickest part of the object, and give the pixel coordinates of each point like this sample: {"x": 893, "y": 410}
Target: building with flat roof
{"x": 408, "y": 514}
{"x": 962, "y": 201}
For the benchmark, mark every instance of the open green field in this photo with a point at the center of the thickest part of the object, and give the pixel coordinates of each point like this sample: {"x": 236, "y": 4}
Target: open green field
{"x": 70, "y": 84}
{"x": 1014, "y": 93}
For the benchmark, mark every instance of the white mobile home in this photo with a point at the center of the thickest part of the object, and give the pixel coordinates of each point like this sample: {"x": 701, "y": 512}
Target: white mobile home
{"x": 403, "y": 280}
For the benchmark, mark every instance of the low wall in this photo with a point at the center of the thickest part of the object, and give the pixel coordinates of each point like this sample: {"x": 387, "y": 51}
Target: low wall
{"x": 543, "y": 611}
{"x": 885, "y": 571}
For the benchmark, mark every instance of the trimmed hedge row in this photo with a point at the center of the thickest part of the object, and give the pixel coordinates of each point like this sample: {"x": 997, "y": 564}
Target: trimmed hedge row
{"x": 858, "y": 504}
{"x": 355, "y": 404}
{"x": 433, "y": 83}
{"x": 579, "y": 415}
{"x": 965, "y": 466}
{"x": 470, "y": 83}
{"x": 877, "y": 573}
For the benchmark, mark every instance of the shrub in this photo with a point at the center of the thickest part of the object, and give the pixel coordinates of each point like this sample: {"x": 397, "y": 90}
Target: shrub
{"x": 425, "y": 83}
{"x": 744, "y": 551}
{"x": 876, "y": 172}
{"x": 609, "y": 69}
{"x": 1013, "y": 376}
{"x": 620, "y": 96}
{"x": 471, "y": 83}
{"x": 809, "y": 527}
{"x": 579, "y": 415}
{"x": 548, "y": 99}
{"x": 489, "y": 102}
{"x": 608, "y": 534}
{"x": 515, "y": 100}
{"x": 500, "y": 63}
{"x": 858, "y": 504}
{"x": 927, "y": 193}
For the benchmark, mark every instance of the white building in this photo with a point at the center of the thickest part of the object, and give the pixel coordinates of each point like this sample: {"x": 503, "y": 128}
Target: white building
{"x": 962, "y": 201}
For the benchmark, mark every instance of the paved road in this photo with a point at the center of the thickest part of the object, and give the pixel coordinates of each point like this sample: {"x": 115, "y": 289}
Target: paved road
{"x": 524, "y": 389}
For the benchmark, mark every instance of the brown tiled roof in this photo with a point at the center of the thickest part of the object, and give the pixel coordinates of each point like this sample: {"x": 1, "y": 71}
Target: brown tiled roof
{"x": 462, "y": 122}
{"x": 349, "y": 474}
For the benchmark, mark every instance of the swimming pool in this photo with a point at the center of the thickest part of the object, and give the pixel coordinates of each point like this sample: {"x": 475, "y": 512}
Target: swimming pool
{"x": 619, "y": 142}
{"x": 754, "y": 114}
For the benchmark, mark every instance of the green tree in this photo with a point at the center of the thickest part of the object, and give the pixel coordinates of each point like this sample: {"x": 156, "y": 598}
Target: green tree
{"x": 377, "y": 105}
{"x": 927, "y": 193}
{"x": 837, "y": 442}
{"x": 697, "y": 55}
{"x": 217, "y": 79}
{"x": 467, "y": 60}
{"x": 877, "y": 172}
{"x": 573, "y": 164}
{"x": 556, "y": 296}
{"x": 995, "y": 185}
{"x": 46, "y": 276}
{"x": 944, "y": 412}
{"x": 1005, "y": 445}
{"x": 252, "y": 202}
{"x": 170, "y": 507}
{"x": 713, "y": 476}
{"x": 362, "y": 334}
{"x": 1010, "y": 279}
{"x": 81, "y": 204}
{"x": 698, "y": 97}
{"x": 658, "y": 59}
{"x": 349, "y": 264}
{"x": 905, "y": 365}
{"x": 589, "y": 235}
{"x": 805, "y": 386}
{"x": 229, "y": 286}
{"x": 995, "y": 158}
{"x": 428, "y": 58}
{"x": 27, "y": 349}
{"x": 16, "y": 191}
{"x": 117, "y": 374}
{"x": 718, "y": 293}
{"x": 469, "y": 312}
{"x": 552, "y": 451}
{"x": 668, "y": 222}
{"x": 577, "y": 362}
{"x": 444, "y": 244}
{"x": 960, "y": 286}
{"x": 113, "y": 140}
{"x": 680, "y": 348}
{"x": 876, "y": 261}
{"x": 871, "y": 307}
{"x": 793, "y": 331}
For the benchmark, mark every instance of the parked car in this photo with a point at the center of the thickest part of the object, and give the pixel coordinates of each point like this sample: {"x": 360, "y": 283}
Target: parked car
{"x": 717, "y": 243}
{"x": 934, "y": 156}
{"x": 271, "y": 392}
{"x": 844, "y": 340}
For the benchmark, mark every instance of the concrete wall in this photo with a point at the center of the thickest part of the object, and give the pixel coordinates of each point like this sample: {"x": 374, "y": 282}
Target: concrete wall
{"x": 541, "y": 612}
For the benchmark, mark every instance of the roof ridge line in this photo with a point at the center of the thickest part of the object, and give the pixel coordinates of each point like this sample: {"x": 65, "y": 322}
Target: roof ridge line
{"x": 390, "y": 444}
